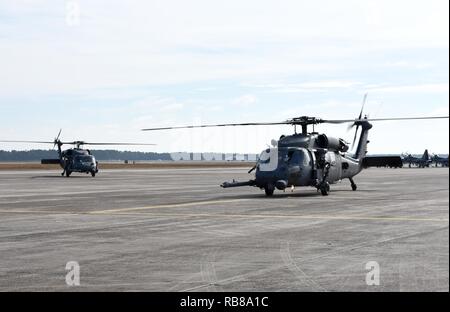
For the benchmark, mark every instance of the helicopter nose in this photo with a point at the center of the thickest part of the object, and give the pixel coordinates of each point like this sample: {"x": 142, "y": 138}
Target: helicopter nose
{"x": 281, "y": 185}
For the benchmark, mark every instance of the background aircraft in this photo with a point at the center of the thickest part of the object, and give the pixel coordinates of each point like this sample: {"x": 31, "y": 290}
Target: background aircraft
{"x": 440, "y": 161}
{"x": 421, "y": 162}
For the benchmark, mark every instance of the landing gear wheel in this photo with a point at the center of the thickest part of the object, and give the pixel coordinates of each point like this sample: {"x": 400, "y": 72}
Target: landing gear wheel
{"x": 93, "y": 174}
{"x": 325, "y": 188}
{"x": 269, "y": 189}
{"x": 354, "y": 186}
{"x": 68, "y": 173}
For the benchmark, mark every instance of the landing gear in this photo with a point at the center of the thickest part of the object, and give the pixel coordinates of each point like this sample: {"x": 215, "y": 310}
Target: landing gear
{"x": 93, "y": 174}
{"x": 325, "y": 188}
{"x": 66, "y": 172}
{"x": 354, "y": 186}
{"x": 269, "y": 189}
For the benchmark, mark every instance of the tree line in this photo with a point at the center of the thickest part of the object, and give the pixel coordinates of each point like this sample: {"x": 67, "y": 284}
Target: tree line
{"x": 101, "y": 155}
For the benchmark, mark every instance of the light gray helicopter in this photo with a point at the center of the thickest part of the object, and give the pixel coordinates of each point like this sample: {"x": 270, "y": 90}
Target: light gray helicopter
{"x": 308, "y": 159}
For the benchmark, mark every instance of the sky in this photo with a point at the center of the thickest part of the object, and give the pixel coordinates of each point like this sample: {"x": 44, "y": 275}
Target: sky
{"x": 103, "y": 70}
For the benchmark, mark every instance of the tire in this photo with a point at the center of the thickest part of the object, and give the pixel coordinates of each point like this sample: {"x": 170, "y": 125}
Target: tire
{"x": 325, "y": 189}
{"x": 270, "y": 189}
{"x": 68, "y": 173}
{"x": 354, "y": 187}
{"x": 93, "y": 174}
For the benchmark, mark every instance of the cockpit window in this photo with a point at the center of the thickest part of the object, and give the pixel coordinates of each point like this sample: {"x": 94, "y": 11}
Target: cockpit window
{"x": 299, "y": 157}
{"x": 85, "y": 159}
{"x": 290, "y": 155}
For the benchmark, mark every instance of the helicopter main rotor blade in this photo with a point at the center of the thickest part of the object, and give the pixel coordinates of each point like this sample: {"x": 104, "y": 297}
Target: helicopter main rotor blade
{"x": 295, "y": 122}
{"x": 221, "y": 125}
{"x": 33, "y": 142}
{"x": 112, "y": 143}
{"x": 341, "y": 121}
{"x": 76, "y": 142}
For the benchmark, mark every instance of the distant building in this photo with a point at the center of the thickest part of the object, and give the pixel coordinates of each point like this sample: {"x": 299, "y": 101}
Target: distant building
{"x": 213, "y": 157}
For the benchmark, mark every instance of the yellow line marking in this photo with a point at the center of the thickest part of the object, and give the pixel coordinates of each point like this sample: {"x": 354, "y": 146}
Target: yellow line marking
{"x": 39, "y": 212}
{"x": 140, "y": 211}
{"x": 306, "y": 217}
{"x": 201, "y": 203}
{"x": 217, "y": 215}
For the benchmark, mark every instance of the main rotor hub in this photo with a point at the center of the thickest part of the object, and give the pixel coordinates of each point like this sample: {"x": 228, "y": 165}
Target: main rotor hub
{"x": 78, "y": 144}
{"x": 304, "y": 122}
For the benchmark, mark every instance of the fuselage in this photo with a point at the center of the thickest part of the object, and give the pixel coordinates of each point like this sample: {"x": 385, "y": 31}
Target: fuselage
{"x": 310, "y": 160}
{"x": 299, "y": 166}
{"x": 78, "y": 160}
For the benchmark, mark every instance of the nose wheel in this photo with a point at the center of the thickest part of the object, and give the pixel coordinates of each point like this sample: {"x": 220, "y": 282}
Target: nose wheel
{"x": 269, "y": 189}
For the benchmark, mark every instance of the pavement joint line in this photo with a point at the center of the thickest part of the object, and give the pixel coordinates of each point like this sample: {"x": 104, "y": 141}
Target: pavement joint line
{"x": 112, "y": 211}
{"x": 21, "y": 211}
{"x": 181, "y": 205}
{"x": 128, "y": 211}
{"x": 306, "y": 217}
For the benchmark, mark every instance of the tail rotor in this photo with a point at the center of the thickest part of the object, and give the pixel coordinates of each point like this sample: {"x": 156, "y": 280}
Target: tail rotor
{"x": 359, "y": 118}
{"x": 57, "y": 140}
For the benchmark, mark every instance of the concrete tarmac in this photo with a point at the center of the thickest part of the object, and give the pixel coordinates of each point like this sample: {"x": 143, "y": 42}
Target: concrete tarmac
{"x": 177, "y": 230}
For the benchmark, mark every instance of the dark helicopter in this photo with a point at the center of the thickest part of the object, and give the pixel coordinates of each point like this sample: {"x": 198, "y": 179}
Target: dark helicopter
{"x": 307, "y": 159}
{"x": 75, "y": 159}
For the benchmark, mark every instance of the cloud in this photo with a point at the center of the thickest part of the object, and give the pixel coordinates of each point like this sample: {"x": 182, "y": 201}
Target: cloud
{"x": 245, "y": 101}
{"x": 408, "y": 64}
{"x": 149, "y": 43}
{"x": 157, "y": 104}
{"x": 327, "y": 86}
{"x": 419, "y": 88}
{"x": 440, "y": 111}
{"x": 307, "y": 87}
{"x": 142, "y": 63}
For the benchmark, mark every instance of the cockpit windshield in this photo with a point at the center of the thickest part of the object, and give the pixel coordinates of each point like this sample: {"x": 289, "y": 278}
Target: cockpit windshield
{"x": 298, "y": 156}
{"x": 268, "y": 161}
{"x": 86, "y": 159}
